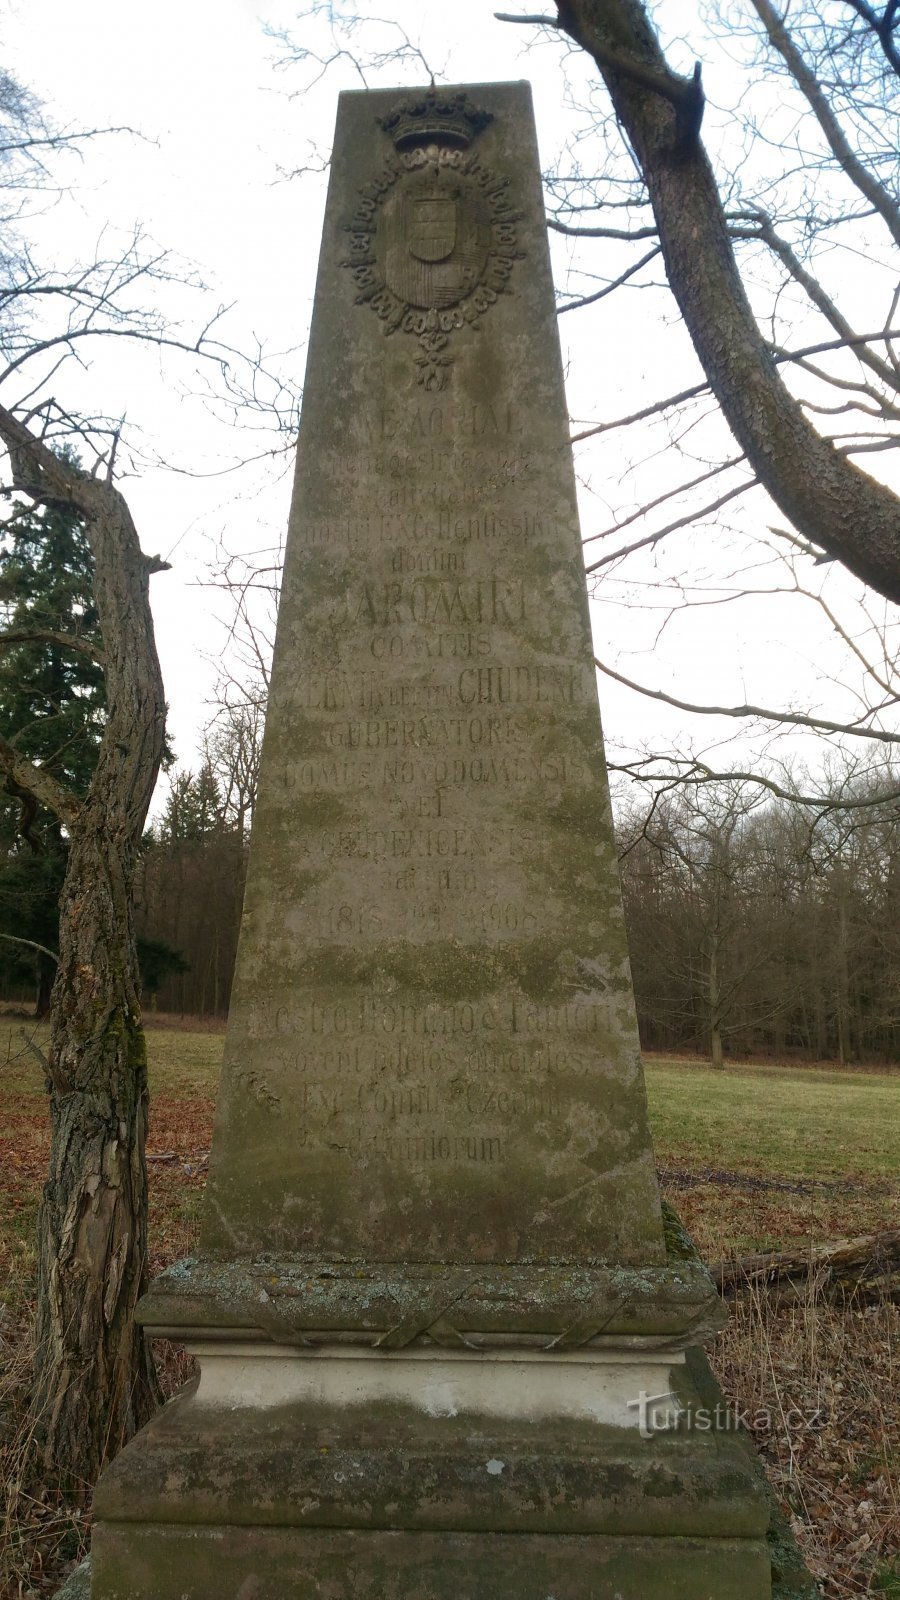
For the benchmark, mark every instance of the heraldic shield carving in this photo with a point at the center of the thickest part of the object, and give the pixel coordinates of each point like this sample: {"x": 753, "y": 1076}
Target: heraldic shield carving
{"x": 433, "y": 237}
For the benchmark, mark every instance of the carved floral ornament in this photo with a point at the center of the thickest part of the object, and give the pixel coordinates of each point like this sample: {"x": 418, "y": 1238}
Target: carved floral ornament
{"x": 433, "y": 239}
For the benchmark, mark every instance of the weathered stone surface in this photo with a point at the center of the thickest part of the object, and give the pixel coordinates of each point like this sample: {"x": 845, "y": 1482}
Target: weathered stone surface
{"x": 434, "y": 1283}
{"x": 268, "y": 1564}
{"x": 390, "y": 1305}
{"x": 78, "y": 1584}
{"x": 791, "y": 1578}
{"x": 388, "y": 1466}
{"x": 432, "y": 1052}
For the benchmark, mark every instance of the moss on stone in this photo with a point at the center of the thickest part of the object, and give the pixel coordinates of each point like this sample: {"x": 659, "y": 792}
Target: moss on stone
{"x": 791, "y": 1578}
{"x": 78, "y": 1584}
{"x": 679, "y": 1244}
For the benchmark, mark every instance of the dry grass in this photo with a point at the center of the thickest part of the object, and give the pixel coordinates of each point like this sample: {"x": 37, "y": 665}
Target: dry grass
{"x": 41, "y": 1533}
{"x": 743, "y": 1156}
{"x": 817, "y": 1387}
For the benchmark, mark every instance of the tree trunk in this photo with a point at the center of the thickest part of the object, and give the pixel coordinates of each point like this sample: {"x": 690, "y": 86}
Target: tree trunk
{"x": 715, "y": 1021}
{"x": 94, "y": 1371}
{"x": 842, "y": 998}
{"x": 46, "y": 973}
{"x": 94, "y": 1380}
{"x": 866, "y": 1268}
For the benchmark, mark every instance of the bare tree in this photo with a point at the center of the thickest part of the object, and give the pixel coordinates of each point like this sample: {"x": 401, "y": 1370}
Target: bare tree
{"x": 190, "y": 884}
{"x": 781, "y": 253}
{"x": 789, "y": 356}
{"x": 757, "y": 923}
{"x": 94, "y": 1376}
{"x": 697, "y": 940}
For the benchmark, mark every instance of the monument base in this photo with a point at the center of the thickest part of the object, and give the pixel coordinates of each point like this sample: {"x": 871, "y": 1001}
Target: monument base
{"x": 348, "y": 1473}
{"x": 240, "y": 1563}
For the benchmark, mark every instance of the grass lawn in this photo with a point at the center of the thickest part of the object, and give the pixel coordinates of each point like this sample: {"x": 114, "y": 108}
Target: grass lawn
{"x": 769, "y": 1157}
{"x": 788, "y": 1121}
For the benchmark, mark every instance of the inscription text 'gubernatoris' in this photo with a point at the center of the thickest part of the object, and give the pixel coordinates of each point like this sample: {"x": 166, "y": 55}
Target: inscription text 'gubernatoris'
{"x": 433, "y": 239}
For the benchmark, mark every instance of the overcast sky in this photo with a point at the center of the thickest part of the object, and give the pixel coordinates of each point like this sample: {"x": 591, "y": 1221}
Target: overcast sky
{"x": 219, "y": 122}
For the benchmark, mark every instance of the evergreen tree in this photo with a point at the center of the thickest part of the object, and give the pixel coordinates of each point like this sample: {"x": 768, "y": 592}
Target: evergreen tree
{"x": 52, "y": 710}
{"x": 193, "y": 810}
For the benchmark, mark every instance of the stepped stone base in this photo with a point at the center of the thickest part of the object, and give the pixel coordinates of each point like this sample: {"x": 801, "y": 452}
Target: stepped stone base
{"x": 241, "y": 1563}
{"x": 345, "y": 1475}
{"x": 790, "y": 1578}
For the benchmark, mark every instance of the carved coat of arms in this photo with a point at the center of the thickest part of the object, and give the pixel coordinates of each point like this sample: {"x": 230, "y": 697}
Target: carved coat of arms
{"x": 433, "y": 238}
{"x": 431, "y": 224}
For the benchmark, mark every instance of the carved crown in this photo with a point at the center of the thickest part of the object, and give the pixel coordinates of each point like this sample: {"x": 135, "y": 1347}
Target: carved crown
{"x": 435, "y": 119}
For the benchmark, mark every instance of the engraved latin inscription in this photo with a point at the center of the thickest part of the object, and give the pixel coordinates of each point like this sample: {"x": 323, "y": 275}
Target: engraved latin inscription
{"x": 430, "y": 601}
{"x": 391, "y": 1078}
{"x": 431, "y": 1054}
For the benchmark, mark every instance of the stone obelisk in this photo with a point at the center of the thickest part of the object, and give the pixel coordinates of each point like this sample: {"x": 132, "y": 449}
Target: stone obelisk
{"x": 442, "y": 1339}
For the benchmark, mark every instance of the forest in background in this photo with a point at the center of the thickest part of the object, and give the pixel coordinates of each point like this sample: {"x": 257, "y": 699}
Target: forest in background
{"x": 756, "y": 926}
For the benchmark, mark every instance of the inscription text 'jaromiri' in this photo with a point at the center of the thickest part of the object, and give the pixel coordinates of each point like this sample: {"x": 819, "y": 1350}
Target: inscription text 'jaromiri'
{"x": 428, "y": 600}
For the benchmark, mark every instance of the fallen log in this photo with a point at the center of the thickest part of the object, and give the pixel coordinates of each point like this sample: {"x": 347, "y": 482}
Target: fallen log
{"x": 867, "y": 1267}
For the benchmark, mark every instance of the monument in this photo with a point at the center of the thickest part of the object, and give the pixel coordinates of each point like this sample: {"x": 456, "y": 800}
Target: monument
{"x": 445, "y": 1342}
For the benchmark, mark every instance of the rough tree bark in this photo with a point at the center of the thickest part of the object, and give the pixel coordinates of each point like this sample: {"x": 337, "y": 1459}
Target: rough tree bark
{"x": 94, "y": 1376}
{"x": 830, "y": 500}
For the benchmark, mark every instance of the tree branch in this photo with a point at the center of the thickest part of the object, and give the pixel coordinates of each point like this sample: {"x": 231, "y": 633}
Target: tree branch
{"x": 12, "y": 938}
{"x": 796, "y": 718}
{"x": 685, "y": 95}
{"x": 809, "y": 86}
{"x": 672, "y": 527}
{"x": 668, "y": 494}
{"x": 40, "y": 474}
{"x": 823, "y": 302}
{"x": 600, "y": 233}
{"x": 39, "y": 784}
{"x": 828, "y": 498}
{"x": 653, "y": 410}
{"x": 68, "y": 641}
{"x": 778, "y": 355}
{"x": 689, "y": 770}
{"x": 531, "y": 22}
{"x": 591, "y": 299}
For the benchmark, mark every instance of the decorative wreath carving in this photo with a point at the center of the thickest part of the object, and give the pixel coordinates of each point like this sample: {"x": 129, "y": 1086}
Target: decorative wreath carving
{"x": 433, "y": 239}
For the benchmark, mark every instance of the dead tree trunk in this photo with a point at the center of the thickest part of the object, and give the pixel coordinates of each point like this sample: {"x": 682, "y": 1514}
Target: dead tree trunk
{"x": 866, "y": 1268}
{"x": 94, "y": 1378}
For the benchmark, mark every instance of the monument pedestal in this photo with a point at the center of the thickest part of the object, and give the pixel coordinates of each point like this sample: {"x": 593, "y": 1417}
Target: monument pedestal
{"x": 439, "y": 1324}
{"x": 505, "y": 1474}
{"x": 272, "y": 1564}
{"x": 395, "y": 1461}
